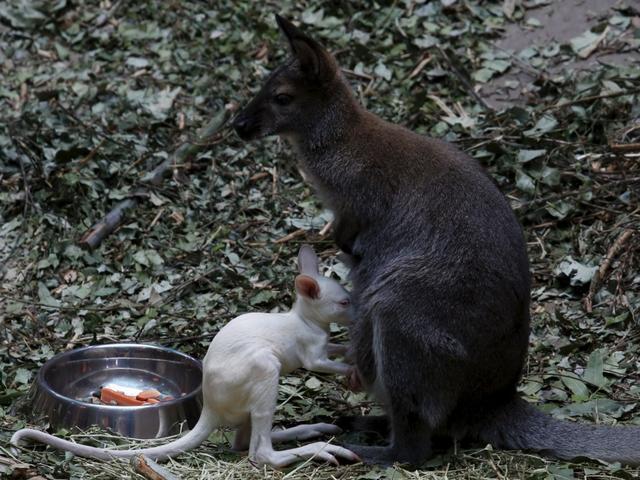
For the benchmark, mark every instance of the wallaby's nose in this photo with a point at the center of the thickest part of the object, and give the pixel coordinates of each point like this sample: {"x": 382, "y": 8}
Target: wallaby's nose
{"x": 243, "y": 126}
{"x": 240, "y": 123}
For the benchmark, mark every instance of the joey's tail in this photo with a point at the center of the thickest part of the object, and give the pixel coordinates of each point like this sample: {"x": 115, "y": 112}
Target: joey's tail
{"x": 519, "y": 425}
{"x": 206, "y": 424}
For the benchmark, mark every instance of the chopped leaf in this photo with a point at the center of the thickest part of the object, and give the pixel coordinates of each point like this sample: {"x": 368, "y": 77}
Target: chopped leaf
{"x": 577, "y": 273}
{"x": 528, "y": 155}
{"x": 45, "y": 296}
{"x": 595, "y": 369}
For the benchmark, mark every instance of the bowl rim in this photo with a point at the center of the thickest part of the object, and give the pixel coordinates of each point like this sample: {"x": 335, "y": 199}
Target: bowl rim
{"x": 41, "y": 382}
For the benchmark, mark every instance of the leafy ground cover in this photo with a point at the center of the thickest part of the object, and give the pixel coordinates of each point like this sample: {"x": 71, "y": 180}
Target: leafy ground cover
{"x": 95, "y": 94}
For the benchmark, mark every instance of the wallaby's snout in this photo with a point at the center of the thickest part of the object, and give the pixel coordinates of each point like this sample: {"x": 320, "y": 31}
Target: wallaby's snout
{"x": 298, "y": 95}
{"x": 244, "y": 126}
{"x": 248, "y": 122}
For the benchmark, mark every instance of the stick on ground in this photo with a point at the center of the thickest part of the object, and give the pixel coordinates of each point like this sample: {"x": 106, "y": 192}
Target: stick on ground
{"x": 603, "y": 270}
{"x": 101, "y": 230}
{"x": 150, "y": 469}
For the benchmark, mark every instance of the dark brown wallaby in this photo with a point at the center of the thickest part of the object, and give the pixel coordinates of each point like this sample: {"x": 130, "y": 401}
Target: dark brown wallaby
{"x": 440, "y": 270}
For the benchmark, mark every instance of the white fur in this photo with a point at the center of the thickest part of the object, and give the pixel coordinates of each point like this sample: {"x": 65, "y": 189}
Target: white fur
{"x": 240, "y": 379}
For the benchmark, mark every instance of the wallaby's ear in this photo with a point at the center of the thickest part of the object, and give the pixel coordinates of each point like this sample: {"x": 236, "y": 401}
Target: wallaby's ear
{"x": 315, "y": 61}
{"x": 308, "y": 261}
{"x": 307, "y": 287}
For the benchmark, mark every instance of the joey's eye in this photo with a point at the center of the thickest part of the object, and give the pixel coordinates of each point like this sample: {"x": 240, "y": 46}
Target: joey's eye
{"x": 345, "y": 303}
{"x": 283, "y": 99}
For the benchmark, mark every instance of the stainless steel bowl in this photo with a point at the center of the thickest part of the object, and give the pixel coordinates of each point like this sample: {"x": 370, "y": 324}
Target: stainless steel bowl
{"x": 64, "y": 381}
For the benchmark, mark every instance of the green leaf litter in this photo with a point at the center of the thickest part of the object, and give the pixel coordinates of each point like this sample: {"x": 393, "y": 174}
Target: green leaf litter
{"x": 95, "y": 94}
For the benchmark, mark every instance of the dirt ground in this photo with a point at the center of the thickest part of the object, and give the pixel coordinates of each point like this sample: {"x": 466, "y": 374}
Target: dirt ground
{"x": 554, "y": 24}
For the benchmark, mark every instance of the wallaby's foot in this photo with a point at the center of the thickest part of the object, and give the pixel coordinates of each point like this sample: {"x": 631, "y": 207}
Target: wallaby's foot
{"x": 373, "y": 455}
{"x": 365, "y": 423}
{"x": 318, "y": 451}
{"x": 387, "y": 455}
{"x": 304, "y": 432}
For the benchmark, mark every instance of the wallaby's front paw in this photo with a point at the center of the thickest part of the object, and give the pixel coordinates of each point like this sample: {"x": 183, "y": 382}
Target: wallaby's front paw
{"x": 354, "y": 381}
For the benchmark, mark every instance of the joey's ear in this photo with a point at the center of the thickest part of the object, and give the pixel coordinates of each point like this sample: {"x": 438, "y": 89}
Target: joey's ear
{"x": 315, "y": 62}
{"x": 307, "y": 287}
{"x": 308, "y": 261}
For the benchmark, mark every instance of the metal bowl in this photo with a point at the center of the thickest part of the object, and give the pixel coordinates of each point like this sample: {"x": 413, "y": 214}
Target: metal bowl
{"x": 65, "y": 382}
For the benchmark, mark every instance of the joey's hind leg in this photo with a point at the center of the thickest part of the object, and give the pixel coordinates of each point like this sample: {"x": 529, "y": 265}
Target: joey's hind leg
{"x": 242, "y": 438}
{"x": 261, "y": 452}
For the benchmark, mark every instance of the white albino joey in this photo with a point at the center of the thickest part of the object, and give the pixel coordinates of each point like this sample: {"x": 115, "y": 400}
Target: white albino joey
{"x": 321, "y": 299}
{"x": 240, "y": 378}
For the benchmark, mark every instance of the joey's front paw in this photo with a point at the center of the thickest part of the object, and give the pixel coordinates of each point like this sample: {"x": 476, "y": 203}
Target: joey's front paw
{"x": 354, "y": 381}
{"x": 337, "y": 349}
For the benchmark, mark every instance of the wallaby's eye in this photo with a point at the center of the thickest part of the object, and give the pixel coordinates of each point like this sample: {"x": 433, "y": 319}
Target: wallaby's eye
{"x": 345, "y": 303}
{"x": 283, "y": 99}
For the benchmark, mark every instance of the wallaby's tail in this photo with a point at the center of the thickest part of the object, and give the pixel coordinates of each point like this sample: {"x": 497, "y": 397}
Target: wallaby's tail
{"x": 519, "y": 425}
{"x": 206, "y": 424}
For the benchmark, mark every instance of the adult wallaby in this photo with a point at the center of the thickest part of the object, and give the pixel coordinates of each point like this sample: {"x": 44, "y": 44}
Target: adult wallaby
{"x": 440, "y": 271}
{"x": 240, "y": 377}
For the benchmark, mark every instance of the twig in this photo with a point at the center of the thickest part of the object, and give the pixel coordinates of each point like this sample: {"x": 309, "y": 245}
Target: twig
{"x": 90, "y": 128}
{"x": 603, "y": 270}
{"x": 21, "y": 470}
{"x": 150, "y": 469}
{"x": 494, "y": 467}
{"x": 464, "y": 80}
{"x": 592, "y": 98}
{"x": 295, "y": 234}
{"x": 569, "y": 193}
{"x": 91, "y": 154}
{"x": 423, "y": 63}
{"x": 75, "y": 308}
{"x": 326, "y": 228}
{"x": 363, "y": 76}
{"x": 25, "y": 209}
{"x": 96, "y": 234}
{"x": 624, "y": 147}
{"x": 191, "y": 338}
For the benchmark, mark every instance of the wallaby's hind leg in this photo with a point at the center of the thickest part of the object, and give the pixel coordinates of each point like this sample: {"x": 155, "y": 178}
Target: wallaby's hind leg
{"x": 410, "y": 443}
{"x": 378, "y": 424}
{"x": 261, "y": 450}
{"x": 413, "y": 378}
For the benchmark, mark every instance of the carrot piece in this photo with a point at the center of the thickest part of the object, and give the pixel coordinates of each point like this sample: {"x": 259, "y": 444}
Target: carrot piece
{"x": 151, "y": 401}
{"x": 147, "y": 394}
{"x": 107, "y": 395}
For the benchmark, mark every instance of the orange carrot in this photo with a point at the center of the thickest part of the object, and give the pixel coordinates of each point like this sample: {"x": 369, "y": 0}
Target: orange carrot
{"x": 107, "y": 395}
{"x": 151, "y": 401}
{"x": 148, "y": 394}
